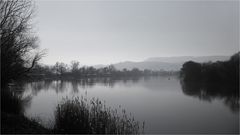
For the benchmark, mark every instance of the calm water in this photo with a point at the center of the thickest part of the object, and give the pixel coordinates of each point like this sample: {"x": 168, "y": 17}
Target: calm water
{"x": 163, "y": 103}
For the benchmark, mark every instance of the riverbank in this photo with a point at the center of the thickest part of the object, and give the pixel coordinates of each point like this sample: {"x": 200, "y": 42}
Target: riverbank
{"x": 19, "y": 124}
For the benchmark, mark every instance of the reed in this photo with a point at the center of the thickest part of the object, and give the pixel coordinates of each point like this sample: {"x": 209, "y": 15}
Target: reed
{"x": 78, "y": 115}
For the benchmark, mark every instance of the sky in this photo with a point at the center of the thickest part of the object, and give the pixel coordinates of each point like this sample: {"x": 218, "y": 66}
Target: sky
{"x": 111, "y": 31}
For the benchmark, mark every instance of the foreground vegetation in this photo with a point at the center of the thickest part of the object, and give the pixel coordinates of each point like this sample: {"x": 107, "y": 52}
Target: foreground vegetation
{"x": 78, "y": 116}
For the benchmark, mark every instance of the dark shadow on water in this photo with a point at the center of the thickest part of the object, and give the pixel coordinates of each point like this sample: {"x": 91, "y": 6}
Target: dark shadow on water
{"x": 13, "y": 101}
{"x": 209, "y": 92}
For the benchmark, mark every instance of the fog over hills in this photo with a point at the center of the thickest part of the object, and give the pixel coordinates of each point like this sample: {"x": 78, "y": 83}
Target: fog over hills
{"x": 165, "y": 63}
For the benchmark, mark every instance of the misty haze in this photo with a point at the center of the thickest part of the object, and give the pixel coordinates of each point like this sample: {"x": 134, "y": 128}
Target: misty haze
{"x": 119, "y": 67}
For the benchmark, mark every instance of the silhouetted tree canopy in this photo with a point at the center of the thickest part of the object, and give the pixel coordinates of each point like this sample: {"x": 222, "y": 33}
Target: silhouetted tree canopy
{"x": 18, "y": 43}
{"x": 226, "y": 72}
{"x": 191, "y": 71}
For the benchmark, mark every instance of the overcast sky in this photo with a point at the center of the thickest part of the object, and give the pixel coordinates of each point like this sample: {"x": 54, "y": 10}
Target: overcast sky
{"x": 104, "y": 32}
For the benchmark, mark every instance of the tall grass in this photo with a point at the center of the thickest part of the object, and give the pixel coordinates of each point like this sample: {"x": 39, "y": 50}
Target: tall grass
{"x": 77, "y": 115}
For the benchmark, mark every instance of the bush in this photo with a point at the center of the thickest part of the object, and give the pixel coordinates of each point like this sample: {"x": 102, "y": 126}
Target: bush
{"x": 78, "y": 116}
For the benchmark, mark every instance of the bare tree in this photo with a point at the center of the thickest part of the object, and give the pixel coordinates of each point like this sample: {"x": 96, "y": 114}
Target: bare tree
{"x": 75, "y": 67}
{"x": 60, "y": 68}
{"x": 18, "y": 43}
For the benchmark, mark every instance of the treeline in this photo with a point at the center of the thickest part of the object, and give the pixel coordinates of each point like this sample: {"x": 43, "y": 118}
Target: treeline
{"x": 221, "y": 72}
{"x": 75, "y": 71}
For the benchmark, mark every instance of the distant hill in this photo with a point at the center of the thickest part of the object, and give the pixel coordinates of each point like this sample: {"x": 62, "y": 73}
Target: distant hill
{"x": 153, "y": 65}
{"x": 165, "y": 63}
{"x": 182, "y": 59}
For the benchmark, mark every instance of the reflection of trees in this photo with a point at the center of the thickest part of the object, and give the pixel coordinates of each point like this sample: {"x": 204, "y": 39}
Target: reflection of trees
{"x": 209, "y": 92}
{"x": 106, "y": 81}
{"x": 61, "y": 86}
{"x": 76, "y": 84}
{"x": 25, "y": 100}
{"x": 38, "y": 86}
{"x": 23, "y": 92}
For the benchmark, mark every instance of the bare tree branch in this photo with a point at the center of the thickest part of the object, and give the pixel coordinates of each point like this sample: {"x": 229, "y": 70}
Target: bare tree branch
{"x": 16, "y": 39}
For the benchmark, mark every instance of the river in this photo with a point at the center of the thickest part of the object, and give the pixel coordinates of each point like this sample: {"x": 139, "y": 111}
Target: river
{"x": 163, "y": 102}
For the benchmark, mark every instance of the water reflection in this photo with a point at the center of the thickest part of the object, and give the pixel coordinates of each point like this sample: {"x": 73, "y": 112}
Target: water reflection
{"x": 152, "y": 99}
{"x": 205, "y": 92}
{"x": 208, "y": 92}
{"x": 62, "y": 85}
